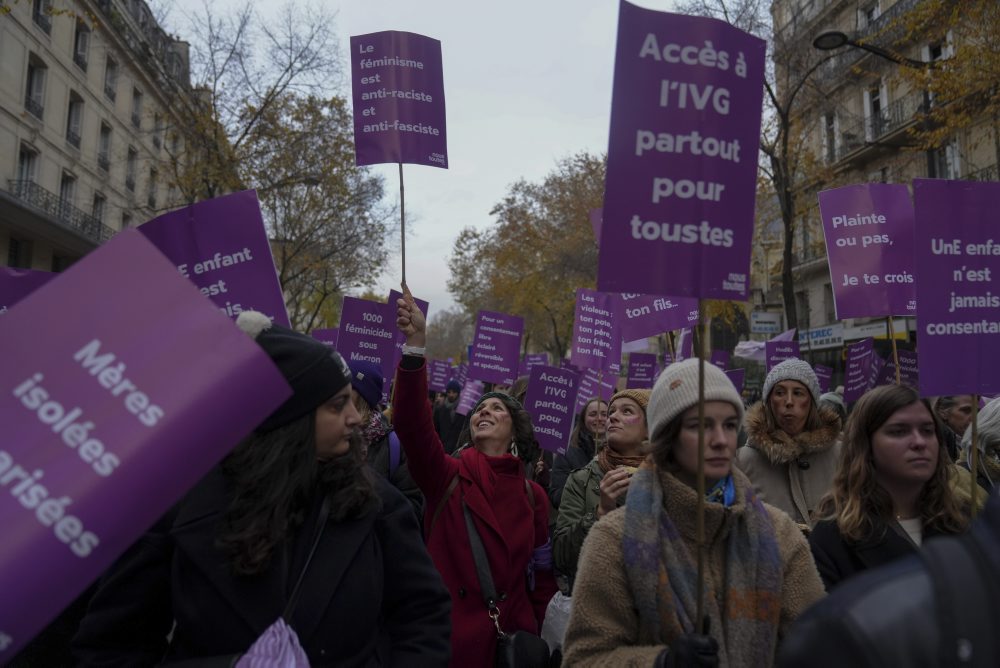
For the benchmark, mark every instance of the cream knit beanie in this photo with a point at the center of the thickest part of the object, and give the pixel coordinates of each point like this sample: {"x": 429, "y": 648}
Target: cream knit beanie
{"x": 676, "y": 390}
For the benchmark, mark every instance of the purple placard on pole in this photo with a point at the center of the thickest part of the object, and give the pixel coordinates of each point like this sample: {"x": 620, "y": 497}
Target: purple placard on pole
{"x": 957, "y": 257}
{"x": 597, "y": 343}
{"x": 550, "y": 401}
{"x": 641, "y": 371}
{"x": 682, "y": 156}
{"x": 908, "y": 372}
{"x": 859, "y": 362}
{"x": 778, "y": 351}
{"x": 595, "y": 224}
{"x": 471, "y": 391}
{"x": 222, "y": 247}
{"x": 593, "y": 383}
{"x": 327, "y": 336}
{"x": 875, "y": 371}
{"x": 720, "y": 358}
{"x": 685, "y": 344}
{"x": 368, "y": 333}
{"x": 461, "y": 373}
{"x": 869, "y": 240}
{"x": 824, "y": 375}
{"x": 440, "y": 374}
{"x": 649, "y": 315}
{"x": 394, "y": 296}
{"x": 737, "y": 376}
{"x": 496, "y": 347}
{"x": 110, "y": 420}
{"x": 16, "y": 284}
{"x": 398, "y": 90}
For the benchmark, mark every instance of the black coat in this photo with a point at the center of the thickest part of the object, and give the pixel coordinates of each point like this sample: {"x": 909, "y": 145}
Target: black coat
{"x": 448, "y": 424}
{"x": 575, "y": 458}
{"x": 371, "y": 595}
{"x": 838, "y": 559}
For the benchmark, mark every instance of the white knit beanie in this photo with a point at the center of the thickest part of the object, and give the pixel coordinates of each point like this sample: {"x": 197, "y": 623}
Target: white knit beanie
{"x": 793, "y": 369}
{"x": 676, "y": 390}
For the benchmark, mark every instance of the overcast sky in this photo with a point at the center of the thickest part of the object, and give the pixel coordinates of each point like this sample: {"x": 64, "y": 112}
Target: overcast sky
{"x": 527, "y": 82}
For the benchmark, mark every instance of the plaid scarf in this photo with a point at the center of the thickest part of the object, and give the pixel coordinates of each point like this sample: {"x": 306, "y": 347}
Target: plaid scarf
{"x": 662, "y": 572}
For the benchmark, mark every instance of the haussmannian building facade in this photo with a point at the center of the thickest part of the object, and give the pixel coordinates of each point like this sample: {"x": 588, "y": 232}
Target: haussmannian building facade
{"x": 89, "y": 124}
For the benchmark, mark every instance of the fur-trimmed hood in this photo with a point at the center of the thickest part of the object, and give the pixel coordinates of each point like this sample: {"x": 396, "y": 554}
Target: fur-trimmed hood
{"x": 780, "y": 448}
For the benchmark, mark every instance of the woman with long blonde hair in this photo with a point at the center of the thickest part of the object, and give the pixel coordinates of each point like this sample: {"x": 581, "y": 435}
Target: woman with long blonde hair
{"x": 891, "y": 490}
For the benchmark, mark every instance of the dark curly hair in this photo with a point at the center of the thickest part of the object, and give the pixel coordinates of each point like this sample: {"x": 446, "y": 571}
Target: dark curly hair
{"x": 528, "y": 449}
{"x": 275, "y": 478}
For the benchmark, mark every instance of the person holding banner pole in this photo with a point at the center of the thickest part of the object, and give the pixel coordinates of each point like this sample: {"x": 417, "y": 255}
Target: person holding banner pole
{"x": 634, "y": 600}
{"x": 793, "y": 444}
{"x": 290, "y": 540}
{"x": 482, "y": 492}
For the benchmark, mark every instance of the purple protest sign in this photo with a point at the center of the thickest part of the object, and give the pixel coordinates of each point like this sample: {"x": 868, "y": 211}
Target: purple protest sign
{"x": 597, "y": 343}
{"x": 439, "y": 375}
{"x": 327, "y": 336}
{"x": 531, "y": 360}
{"x": 908, "y": 372}
{"x": 650, "y": 315}
{"x": 957, "y": 256}
{"x": 221, "y": 246}
{"x": 778, "y": 351}
{"x": 495, "y": 347}
{"x": 682, "y": 156}
{"x": 824, "y": 375}
{"x": 109, "y": 421}
{"x": 550, "y": 401}
{"x": 566, "y": 364}
{"x": 595, "y": 224}
{"x": 394, "y": 296}
{"x": 461, "y": 373}
{"x": 720, "y": 358}
{"x": 398, "y": 90}
{"x": 471, "y": 391}
{"x": 593, "y": 383}
{"x": 368, "y": 333}
{"x": 737, "y": 377}
{"x": 878, "y": 364}
{"x": 859, "y": 362}
{"x": 641, "y": 371}
{"x": 16, "y": 284}
{"x": 685, "y": 344}
{"x": 869, "y": 240}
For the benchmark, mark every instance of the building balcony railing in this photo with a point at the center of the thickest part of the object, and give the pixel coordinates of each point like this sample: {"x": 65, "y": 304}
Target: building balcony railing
{"x": 985, "y": 174}
{"x": 80, "y": 60}
{"x": 109, "y": 91}
{"x": 103, "y": 162}
{"x": 34, "y": 107}
{"x": 857, "y": 133}
{"x": 61, "y": 211}
{"x": 73, "y": 138}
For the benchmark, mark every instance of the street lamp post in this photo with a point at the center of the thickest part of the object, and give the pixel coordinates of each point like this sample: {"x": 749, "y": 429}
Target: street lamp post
{"x": 834, "y": 39}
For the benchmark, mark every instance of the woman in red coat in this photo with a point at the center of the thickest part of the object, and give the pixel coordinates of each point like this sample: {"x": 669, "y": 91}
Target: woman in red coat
{"x": 510, "y": 513}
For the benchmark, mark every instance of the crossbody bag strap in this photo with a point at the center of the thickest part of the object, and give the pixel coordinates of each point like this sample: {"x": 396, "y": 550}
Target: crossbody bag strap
{"x": 324, "y": 515}
{"x": 483, "y": 570}
{"x": 441, "y": 504}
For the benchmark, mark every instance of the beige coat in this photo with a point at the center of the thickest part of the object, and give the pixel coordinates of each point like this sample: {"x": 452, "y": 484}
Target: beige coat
{"x": 604, "y": 624}
{"x": 792, "y": 473}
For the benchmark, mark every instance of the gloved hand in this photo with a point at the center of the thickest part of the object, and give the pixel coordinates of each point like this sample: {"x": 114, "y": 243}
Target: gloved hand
{"x": 691, "y": 649}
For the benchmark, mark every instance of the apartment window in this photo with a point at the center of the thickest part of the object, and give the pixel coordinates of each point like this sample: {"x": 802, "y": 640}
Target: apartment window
{"x": 130, "y": 162}
{"x": 110, "y": 78}
{"x": 829, "y": 137}
{"x": 151, "y": 189}
{"x": 157, "y": 130}
{"x": 81, "y": 45}
{"x": 802, "y": 307}
{"x": 126, "y": 220}
{"x": 104, "y": 147}
{"x": 136, "y": 107}
{"x": 41, "y": 14}
{"x": 19, "y": 253}
{"x": 100, "y": 203}
{"x": 875, "y": 101}
{"x": 945, "y": 161}
{"x": 61, "y": 262}
{"x": 868, "y": 14}
{"x": 27, "y": 159}
{"x": 67, "y": 193}
{"x": 34, "y": 94}
{"x": 74, "y": 119}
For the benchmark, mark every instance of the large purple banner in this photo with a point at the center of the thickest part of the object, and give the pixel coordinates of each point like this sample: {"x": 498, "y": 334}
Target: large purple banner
{"x": 682, "y": 156}
{"x": 597, "y": 342}
{"x": 221, "y": 246}
{"x": 869, "y": 242}
{"x": 856, "y": 375}
{"x": 398, "y": 91}
{"x": 642, "y": 316}
{"x": 110, "y": 418}
{"x": 641, "y": 371}
{"x": 957, "y": 256}
{"x": 496, "y": 347}
{"x": 16, "y": 284}
{"x": 550, "y": 401}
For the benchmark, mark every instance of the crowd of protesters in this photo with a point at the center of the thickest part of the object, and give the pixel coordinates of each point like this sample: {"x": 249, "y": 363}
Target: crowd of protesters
{"x": 334, "y": 535}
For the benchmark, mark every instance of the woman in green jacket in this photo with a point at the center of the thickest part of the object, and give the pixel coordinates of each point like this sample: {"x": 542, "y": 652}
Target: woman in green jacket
{"x": 600, "y": 486}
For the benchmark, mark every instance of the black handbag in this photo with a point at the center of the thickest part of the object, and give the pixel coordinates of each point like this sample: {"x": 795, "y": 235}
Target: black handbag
{"x": 514, "y": 650}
